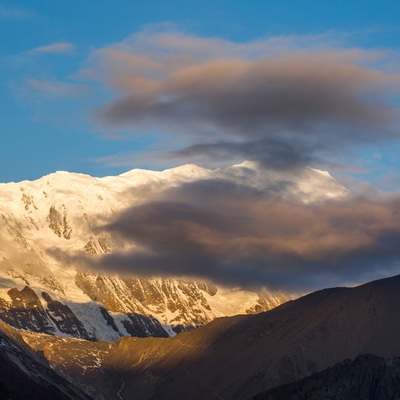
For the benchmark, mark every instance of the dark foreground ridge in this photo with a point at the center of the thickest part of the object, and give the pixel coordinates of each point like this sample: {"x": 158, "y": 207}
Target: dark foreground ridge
{"x": 24, "y": 377}
{"x": 368, "y": 377}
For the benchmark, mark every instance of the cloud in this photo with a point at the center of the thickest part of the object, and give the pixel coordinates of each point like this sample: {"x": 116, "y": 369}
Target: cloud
{"x": 283, "y": 101}
{"x": 54, "y": 48}
{"x": 240, "y": 235}
{"x": 15, "y": 13}
{"x": 57, "y": 88}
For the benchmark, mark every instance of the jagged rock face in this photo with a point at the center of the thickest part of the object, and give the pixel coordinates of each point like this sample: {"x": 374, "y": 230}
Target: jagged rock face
{"x": 62, "y": 214}
{"x": 25, "y": 311}
{"x": 368, "y": 377}
{"x": 184, "y": 301}
{"x": 142, "y": 326}
{"x": 65, "y": 320}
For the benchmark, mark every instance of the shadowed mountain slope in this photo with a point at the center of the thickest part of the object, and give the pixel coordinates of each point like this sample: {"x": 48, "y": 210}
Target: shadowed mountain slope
{"x": 24, "y": 375}
{"x": 368, "y": 377}
{"x": 238, "y": 357}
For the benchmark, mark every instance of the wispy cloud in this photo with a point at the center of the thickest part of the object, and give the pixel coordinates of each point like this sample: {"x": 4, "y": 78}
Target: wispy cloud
{"x": 15, "y": 13}
{"x": 56, "y": 88}
{"x": 54, "y": 48}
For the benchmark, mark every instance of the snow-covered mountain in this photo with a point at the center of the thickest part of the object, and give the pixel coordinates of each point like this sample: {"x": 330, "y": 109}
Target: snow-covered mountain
{"x": 62, "y": 213}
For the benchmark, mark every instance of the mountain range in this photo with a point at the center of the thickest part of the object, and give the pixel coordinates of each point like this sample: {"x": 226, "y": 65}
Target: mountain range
{"x": 240, "y": 357}
{"x": 70, "y": 332}
{"x": 48, "y": 222}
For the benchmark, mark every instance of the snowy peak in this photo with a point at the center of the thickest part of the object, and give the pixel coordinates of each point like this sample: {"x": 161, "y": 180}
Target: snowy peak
{"x": 62, "y": 213}
{"x": 306, "y": 180}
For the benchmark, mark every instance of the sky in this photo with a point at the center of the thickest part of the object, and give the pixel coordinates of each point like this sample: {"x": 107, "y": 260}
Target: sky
{"x": 65, "y": 74}
{"x": 104, "y": 87}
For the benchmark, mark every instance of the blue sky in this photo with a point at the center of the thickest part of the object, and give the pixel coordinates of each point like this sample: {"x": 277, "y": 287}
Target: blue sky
{"x": 60, "y": 83}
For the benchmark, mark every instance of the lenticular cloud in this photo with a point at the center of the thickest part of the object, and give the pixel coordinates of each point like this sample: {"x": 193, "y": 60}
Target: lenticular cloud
{"x": 281, "y": 102}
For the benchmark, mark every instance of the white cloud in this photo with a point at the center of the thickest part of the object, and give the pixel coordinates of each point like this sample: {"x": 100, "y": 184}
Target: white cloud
{"x": 54, "y": 48}
{"x": 15, "y": 13}
{"x": 56, "y": 88}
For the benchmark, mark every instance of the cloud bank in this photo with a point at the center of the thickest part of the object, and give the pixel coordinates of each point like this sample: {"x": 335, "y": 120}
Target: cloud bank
{"x": 238, "y": 235}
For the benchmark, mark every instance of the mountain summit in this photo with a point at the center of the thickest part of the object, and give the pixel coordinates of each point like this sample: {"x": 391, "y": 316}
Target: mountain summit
{"x": 49, "y": 223}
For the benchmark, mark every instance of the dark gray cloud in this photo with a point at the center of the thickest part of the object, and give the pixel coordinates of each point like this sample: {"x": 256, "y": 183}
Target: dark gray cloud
{"x": 268, "y": 151}
{"x": 300, "y": 106}
{"x": 237, "y": 235}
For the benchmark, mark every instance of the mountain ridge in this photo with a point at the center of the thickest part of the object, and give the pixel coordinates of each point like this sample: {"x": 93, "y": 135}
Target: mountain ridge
{"x": 63, "y": 214}
{"x": 235, "y": 357}
{"x": 367, "y": 377}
